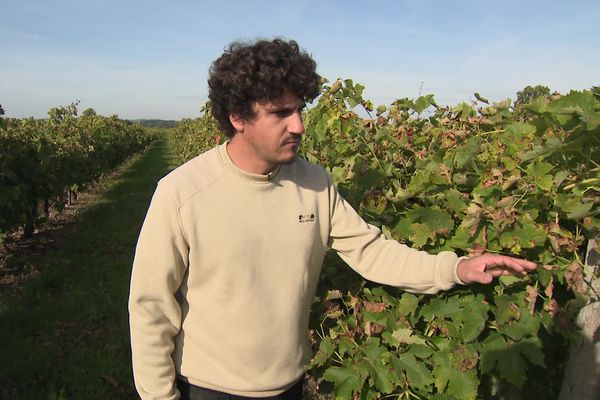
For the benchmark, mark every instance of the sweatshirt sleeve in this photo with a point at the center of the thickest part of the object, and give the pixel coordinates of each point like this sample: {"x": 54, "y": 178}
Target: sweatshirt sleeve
{"x": 364, "y": 248}
{"x": 159, "y": 266}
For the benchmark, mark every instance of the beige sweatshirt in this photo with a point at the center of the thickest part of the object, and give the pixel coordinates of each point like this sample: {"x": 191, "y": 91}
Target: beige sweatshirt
{"x": 226, "y": 266}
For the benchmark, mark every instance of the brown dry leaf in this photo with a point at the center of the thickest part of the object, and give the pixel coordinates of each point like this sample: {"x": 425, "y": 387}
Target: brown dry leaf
{"x": 311, "y": 336}
{"x": 374, "y": 306}
{"x": 552, "y": 307}
{"x": 484, "y": 235}
{"x": 464, "y": 358}
{"x": 476, "y": 250}
{"x": 445, "y": 172}
{"x": 574, "y": 277}
{"x": 333, "y": 295}
{"x": 555, "y": 243}
{"x": 511, "y": 181}
{"x": 333, "y": 310}
{"x": 531, "y": 297}
{"x": 372, "y": 328}
{"x": 550, "y": 288}
{"x": 355, "y": 303}
{"x": 508, "y": 201}
{"x": 357, "y": 331}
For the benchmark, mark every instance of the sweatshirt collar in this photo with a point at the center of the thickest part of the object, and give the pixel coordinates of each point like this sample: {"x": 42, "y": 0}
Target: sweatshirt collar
{"x": 222, "y": 149}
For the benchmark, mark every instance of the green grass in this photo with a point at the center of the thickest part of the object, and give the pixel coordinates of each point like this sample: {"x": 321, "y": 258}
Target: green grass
{"x": 65, "y": 334}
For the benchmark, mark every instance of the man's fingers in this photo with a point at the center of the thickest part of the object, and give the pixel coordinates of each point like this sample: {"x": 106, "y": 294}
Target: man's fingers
{"x": 503, "y": 270}
{"x": 485, "y": 268}
{"x": 505, "y": 262}
{"x": 496, "y": 272}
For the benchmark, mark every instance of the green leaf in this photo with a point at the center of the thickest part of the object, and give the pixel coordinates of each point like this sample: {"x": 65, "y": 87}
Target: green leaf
{"x": 326, "y": 349}
{"x": 408, "y": 304}
{"x": 467, "y": 152}
{"x": 373, "y": 349}
{"x": 346, "y": 381}
{"x": 531, "y": 348}
{"x": 437, "y": 221}
{"x": 492, "y": 347}
{"x": 527, "y": 325}
{"x": 419, "y": 182}
{"x": 449, "y": 380}
{"x": 339, "y": 174}
{"x": 420, "y": 235}
{"x": 579, "y": 105}
{"x": 580, "y": 211}
{"x": 346, "y": 345}
{"x": 526, "y": 236}
{"x": 572, "y": 205}
{"x": 370, "y": 178}
{"x": 456, "y": 201}
{"x": 380, "y": 375}
{"x": 461, "y": 239}
{"x": 422, "y": 103}
{"x": 520, "y": 130}
{"x": 540, "y": 171}
{"x": 473, "y": 326}
{"x": 507, "y": 311}
{"x": 512, "y": 367}
{"x": 508, "y": 358}
{"x": 416, "y": 372}
{"x": 537, "y": 106}
{"x": 420, "y": 351}
{"x": 439, "y": 308}
{"x": 461, "y": 385}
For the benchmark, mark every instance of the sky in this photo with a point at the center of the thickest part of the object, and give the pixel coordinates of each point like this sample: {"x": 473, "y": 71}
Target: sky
{"x": 150, "y": 59}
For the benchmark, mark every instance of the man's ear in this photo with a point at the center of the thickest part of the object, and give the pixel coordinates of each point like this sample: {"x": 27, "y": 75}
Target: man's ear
{"x": 237, "y": 123}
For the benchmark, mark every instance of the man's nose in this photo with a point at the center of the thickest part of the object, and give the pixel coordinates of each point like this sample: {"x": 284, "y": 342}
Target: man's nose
{"x": 296, "y": 125}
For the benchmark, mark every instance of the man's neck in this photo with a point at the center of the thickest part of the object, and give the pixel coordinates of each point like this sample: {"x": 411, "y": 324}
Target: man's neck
{"x": 245, "y": 159}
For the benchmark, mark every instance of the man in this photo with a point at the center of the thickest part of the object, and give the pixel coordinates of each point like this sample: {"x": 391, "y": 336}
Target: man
{"x": 229, "y": 255}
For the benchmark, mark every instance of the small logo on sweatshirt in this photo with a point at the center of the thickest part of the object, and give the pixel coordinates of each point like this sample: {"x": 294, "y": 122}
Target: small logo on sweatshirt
{"x": 306, "y": 218}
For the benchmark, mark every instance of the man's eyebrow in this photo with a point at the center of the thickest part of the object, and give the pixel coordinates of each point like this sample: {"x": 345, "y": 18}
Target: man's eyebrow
{"x": 283, "y": 108}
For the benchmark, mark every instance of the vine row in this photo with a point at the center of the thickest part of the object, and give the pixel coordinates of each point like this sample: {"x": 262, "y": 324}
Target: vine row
{"x": 519, "y": 178}
{"x": 44, "y": 163}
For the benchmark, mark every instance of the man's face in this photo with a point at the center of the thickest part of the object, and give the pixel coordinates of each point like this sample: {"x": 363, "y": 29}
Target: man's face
{"x": 273, "y": 136}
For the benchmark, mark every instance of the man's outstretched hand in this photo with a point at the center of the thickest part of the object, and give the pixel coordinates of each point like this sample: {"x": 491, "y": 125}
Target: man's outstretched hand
{"x": 484, "y": 268}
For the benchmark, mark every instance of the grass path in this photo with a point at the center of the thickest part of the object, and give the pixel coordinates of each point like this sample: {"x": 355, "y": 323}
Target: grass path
{"x": 64, "y": 334}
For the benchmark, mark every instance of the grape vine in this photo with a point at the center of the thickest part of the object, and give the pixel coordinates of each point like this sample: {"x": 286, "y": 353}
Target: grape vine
{"x": 518, "y": 179}
{"x": 44, "y": 163}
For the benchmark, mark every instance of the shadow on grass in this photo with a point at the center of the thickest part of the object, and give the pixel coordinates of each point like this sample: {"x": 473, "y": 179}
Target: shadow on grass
{"x": 65, "y": 335}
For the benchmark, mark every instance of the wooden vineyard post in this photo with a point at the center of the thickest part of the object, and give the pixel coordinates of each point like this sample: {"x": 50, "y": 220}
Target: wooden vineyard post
{"x": 582, "y": 375}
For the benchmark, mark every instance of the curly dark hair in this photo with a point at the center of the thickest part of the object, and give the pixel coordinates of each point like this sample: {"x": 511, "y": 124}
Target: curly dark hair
{"x": 262, "y": 71}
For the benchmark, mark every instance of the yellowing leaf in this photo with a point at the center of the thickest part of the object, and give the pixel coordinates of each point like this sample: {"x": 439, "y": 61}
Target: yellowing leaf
{"x": 405, "y": 335}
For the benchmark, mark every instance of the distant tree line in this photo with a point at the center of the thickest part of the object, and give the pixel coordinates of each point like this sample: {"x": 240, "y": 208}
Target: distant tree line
{"x": 156, "y": 123}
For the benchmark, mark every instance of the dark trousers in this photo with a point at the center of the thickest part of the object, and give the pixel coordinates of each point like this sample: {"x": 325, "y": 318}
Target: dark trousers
{"x": 191, "y": 392}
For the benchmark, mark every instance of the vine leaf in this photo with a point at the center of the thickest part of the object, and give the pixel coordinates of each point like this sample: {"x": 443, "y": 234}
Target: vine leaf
{"x": 416, "y": 372}
{"x": 509, "y": 358}
{"x": 347, "y": 382}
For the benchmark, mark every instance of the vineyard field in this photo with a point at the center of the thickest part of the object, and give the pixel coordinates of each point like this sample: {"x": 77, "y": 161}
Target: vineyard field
{"x": 518, "y": 178}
